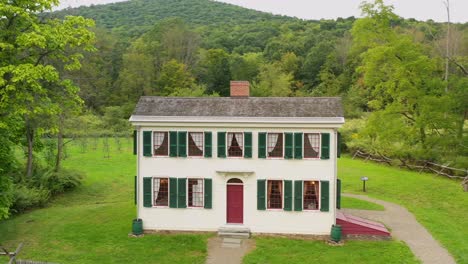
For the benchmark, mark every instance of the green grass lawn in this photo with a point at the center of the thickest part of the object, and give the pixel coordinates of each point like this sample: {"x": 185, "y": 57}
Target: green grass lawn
{"x": 282, "y": 250}
{"x": 354, "y": 203}
{"x": 438, "y": 203}
{"x": 91, "y": 224}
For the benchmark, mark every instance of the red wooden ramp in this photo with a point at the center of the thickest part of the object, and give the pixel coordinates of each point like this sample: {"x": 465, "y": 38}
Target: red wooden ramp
{"x": 352, "y": 225}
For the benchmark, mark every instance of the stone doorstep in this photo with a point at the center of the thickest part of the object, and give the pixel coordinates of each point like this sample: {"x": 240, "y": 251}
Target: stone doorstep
{"x": 232, "y": 241}
{"x": 233, "y": 229}
{"x": 234, "y": 235}
{"x": 230, "y": 245}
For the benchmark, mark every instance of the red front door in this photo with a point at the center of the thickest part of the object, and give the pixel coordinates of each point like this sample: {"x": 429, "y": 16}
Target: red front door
{"x": 235, "y": 204}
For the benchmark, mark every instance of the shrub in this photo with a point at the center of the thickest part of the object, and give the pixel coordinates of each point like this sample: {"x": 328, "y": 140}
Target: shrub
{"x": 6, "y": 196}
{"x": 25, "y": 197}
{"x": 60, "y": 181}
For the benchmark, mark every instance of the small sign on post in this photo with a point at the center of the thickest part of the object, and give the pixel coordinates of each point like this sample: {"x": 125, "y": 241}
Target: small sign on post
{"x": 364, "y": 179}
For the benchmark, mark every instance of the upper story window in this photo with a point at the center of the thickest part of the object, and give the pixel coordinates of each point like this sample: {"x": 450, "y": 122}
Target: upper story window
{"x": 161, "y": 143}
{"x": 160, "y": 191}
{"x": 311, "y": 145}
{"x": 195, "y": 144}
{"x": 275, "y": 145}
{"x": 195, "y": 193}
{"x": 275, "y": 194}
{"x": 235, "y": 143}
{"x": 311, "y": 195}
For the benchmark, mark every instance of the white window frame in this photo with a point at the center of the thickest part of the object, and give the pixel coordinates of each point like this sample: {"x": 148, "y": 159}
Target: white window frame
{"x": 243, "y": 146}
{"x": 203, "y": 192}
{"x": 168, "y": 144}
{"x": 168, "y": 192}
{"x": 319, "y": 147}
{"x": 282, "y": 195}
{"x": 203, "y": 145}
{"x": 282, "y": 153}
{"x": 319, "y": 196}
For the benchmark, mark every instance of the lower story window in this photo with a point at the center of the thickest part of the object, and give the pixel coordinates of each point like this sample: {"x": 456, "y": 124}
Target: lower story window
{"x": 311, "y": 195}
{"x": 160, "y": 191}
{"x": 275, "y": 194}
{"x": 195, "y": 192}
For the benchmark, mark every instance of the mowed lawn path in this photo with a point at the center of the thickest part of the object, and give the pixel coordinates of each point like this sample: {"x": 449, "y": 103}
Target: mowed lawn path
{"x": 91, "y": 224}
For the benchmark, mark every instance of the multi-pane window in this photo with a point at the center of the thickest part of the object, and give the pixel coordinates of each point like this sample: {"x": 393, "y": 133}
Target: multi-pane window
{"x": 161, "y": 143}
{"x": 235, "y": 143}
{"x": 311, "y": 145}
{"x": 275, "y": 194}
{"x": 195, "y": 143}
{"x": 195, "y": 192}
{"x": 311, "y": 195}
{"x": 275, "y": 145}
{"x": 160, "y": 191}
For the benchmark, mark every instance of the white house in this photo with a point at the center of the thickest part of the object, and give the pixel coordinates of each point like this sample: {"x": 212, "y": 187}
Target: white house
{"x": 266, "y": 164}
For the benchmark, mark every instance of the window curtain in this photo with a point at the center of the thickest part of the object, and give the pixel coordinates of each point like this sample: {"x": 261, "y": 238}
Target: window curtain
{"x": 157, "y": 185}
{"x": 230, "y": 137}
{"x": 310, "y": 150}
{"x": 314, "y": 142}
{"x": 197, "y": 194}
{"x": 160, "y": 140}
{"x": 195, "y": 144}
{"x": 272, "y": 143}
{"x": 240, "y": 140}
{"x": 198, "y": 139}
{"x": 270, "y": 185}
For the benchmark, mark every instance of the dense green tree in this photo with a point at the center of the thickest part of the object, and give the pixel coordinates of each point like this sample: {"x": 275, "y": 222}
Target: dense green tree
{"x": 174, "y": 75}
{"x": 272, "y": 81}
{"x": 30, "y": 49}
{"x": 213, "y": 70}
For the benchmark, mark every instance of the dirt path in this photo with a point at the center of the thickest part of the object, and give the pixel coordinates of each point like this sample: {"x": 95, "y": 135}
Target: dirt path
{"x": 405, "y": 227}
{"x": 218, "y": 254}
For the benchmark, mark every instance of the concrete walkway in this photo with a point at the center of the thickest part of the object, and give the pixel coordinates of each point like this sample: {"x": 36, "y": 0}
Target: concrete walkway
{"x": 226, "y": 252}
{"x": 405, "y": 227}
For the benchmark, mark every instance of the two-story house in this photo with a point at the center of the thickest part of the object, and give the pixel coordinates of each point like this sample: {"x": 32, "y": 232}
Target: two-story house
{"x": 266, "y": 164}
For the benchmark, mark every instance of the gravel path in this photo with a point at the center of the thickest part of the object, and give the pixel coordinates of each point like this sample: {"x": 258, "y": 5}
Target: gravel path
{"x": 404, "y": 226}
{"x": 217, "y": 254}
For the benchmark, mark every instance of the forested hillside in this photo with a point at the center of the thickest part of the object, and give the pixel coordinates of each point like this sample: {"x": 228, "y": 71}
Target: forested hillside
{"x": 411, "y": 74}
{"x": 404, "y": 83}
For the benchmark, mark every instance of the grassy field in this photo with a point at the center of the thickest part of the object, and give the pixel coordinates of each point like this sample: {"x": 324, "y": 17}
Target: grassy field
{"x": 90, "y": 224}
{"x": 438, "y": 203}
{"x": 282, "y": 250}
{"x": 353, "y": 203}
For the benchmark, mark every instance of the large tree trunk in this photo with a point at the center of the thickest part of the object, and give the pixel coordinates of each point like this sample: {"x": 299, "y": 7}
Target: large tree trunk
{"x": 30, "y": 139}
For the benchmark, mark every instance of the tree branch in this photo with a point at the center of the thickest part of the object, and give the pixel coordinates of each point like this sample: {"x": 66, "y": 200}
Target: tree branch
{"x": 459, "y": 66}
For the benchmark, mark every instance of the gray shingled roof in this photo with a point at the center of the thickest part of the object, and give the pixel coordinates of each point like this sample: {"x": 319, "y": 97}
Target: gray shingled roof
{"x": 240, "y": 107}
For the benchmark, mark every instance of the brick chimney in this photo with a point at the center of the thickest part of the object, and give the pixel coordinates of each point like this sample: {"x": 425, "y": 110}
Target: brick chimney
{"x": 240, "y": 89}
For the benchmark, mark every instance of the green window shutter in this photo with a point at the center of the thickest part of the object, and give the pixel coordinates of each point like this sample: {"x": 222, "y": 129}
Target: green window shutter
{"x": 325, "y": 146}
{"x": 208, "y": 144}
{"x": 173, "y": 192}
{"x": 297, "y": 195}
{"x": 247, "y": 144}
{"x": 338, "y": 193}
{"x": 338, "y": 147}
{"x": 173, "y": 144}
{"x": 135, "y": 143}
{"x": 182, "y": 143}
{"x": 208, "y": 193}
{"x": 147, "y": 143}
{"x": 182, "y": 193}
{"x": 221, "y": 144}
{"x": 261, "y": 194}
{"x": 147, "y": 192}
{"x": 135, "y": 182}
{"x": 288, "y": 199}
{"x": 298, "y": 145}
{"x": 324, "y": 196}
{"x": 261, "y": 145}
{"x": 288, "y": 146}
